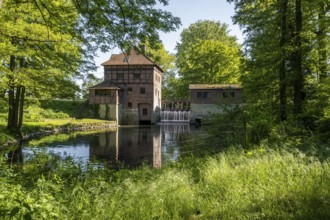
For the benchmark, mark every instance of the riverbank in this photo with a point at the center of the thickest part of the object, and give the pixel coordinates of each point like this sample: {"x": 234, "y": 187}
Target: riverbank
{"x": 51, "y": 126}
{"x": 45, "y": 117}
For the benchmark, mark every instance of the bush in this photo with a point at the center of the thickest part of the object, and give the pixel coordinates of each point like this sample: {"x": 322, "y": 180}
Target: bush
{"x": 3, "y": 105}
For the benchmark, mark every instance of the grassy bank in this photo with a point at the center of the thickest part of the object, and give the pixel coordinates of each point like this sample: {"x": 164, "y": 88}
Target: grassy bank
{"x": 48, "y": 116}
{"x": 235, "y": 184}
{"x": 52, "y": 125}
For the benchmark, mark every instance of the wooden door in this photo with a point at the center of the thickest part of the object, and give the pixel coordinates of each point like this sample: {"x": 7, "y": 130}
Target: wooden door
{"x": 145, "y": 112}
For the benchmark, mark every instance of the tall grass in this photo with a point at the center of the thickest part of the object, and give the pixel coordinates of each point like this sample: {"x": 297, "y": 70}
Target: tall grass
{"x": 266, "y": 185}
{"x": 235, "y": 184}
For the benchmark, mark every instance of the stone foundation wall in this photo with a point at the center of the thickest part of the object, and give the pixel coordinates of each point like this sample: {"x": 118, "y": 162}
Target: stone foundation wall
{"x": 155, "y": 117}
{"x": 124, "y": 116}
{"x": 205, "y": 111}
{"x": 129, "y": 117}
{"x": 108, "y": 112}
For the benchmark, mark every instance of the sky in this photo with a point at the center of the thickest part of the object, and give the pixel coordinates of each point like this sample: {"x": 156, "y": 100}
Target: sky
{"x": 189, "y": 11}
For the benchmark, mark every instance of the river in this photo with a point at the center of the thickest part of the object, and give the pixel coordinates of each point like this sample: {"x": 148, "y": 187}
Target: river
{"x": 128, "y": 146}
{"x": 131, "y": 146}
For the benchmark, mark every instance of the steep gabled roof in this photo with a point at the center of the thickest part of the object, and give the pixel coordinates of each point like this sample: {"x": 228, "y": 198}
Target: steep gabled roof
{"x": 214, "y": 86}
{"x": 105, "y": 85}
{"x": 133, "y": 58}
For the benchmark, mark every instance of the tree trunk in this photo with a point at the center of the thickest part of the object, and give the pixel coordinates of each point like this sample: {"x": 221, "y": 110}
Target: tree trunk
{"x": 20, "y": 121}
{"x": 15, "y": 113}
{"x": 322, "y": 44}
{"x": 11, "y": 102}
{"x": 16, "y": 101}
{"x": 16, "y": 156}
{"x": 282, "y": 69}
{"x": 11, "y": 97}
{"x": 298, "y": 86}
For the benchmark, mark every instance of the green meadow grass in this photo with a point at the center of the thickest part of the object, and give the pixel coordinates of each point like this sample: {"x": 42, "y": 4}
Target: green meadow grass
{"x": 235, "y": 184}
{"x": 47, "y": 124}
{"x": 47, "y": 115}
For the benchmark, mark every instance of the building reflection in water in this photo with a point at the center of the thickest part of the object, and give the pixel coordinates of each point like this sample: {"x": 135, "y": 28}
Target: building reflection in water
{"x": 133, "y": 146}
{"x": 174, "y": 137}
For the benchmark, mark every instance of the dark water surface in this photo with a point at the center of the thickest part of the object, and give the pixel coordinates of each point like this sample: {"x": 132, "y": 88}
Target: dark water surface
{"x": 128, "y": 145}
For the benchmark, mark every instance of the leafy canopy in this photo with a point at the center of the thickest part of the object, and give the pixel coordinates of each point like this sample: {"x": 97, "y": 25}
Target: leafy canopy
{"x": 207, "y": 54}
{"x": 38, "y": 47}
{"x": 110, "y": 23}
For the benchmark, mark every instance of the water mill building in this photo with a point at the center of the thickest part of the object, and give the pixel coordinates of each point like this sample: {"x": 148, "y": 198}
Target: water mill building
{"x": 131, "y": 94}
{"x": 131, "y": 90}
{"x": 207, "y": 99}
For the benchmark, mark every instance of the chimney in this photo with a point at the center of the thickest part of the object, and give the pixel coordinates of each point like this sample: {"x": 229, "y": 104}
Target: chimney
{"x": 143, "y": 48}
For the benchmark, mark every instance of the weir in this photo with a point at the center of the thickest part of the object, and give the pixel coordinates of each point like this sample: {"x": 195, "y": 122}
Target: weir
{"x": 174, "y": 116}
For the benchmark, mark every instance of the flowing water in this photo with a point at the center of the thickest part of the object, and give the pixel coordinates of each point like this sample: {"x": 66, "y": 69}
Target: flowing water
{"x": 175, "y": 116}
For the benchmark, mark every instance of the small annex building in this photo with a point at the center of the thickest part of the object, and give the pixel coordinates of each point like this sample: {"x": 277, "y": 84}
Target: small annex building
{"x": 207, "y": 99}
{"x": 131, "y": 90}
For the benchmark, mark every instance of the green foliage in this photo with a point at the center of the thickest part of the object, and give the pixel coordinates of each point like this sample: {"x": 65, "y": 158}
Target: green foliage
{"x": 207, "y": 54}
{"x": 109, "y": 23}
{"x": 161, "y": 57}
{"x": 285, "y": 70}
{"x": 258, "y": 183}
{"x": 89, "y": 81}
{"x": 316, "y": 116}
{"x": 3, "y": 106}
{"x": 71, "y": 108}
{"x": 39, "y": 43}
{"x": 167, "y": 62}
{"x": 38, "y": 114}
{"x": 51, "y": 109}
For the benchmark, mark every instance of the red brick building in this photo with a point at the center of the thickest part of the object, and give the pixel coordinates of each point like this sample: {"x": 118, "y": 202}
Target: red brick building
{"x": 131, "y": 90}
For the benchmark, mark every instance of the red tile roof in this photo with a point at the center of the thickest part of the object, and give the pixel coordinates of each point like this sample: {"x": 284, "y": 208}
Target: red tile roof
{"x": 133, "y": 58}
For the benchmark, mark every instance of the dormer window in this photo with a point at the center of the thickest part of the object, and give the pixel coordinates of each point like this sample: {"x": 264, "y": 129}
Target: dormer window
{"x": 126, "y": 60}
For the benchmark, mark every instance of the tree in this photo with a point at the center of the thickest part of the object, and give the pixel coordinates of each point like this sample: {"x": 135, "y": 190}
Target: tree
{"x": 166, "y": 61}
{"x": 207, "y": 54}
{"x": 299, "y": 75}
{"x": 110, "y": 23}
{"x": 282, "y": 68}
{"x": 89, "y": 81}
{"x": 285, "y": 45}
{"x": 322, "y": 25}
{"x": 45, "y": 43}
{"x": 38, "y": 47}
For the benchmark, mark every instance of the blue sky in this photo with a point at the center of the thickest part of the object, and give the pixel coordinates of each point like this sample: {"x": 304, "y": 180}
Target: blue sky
{"x": 189, "y": 11}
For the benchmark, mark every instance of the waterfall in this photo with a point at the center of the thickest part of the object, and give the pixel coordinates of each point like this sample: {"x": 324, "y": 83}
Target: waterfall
{"x": 175, "y": 116}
